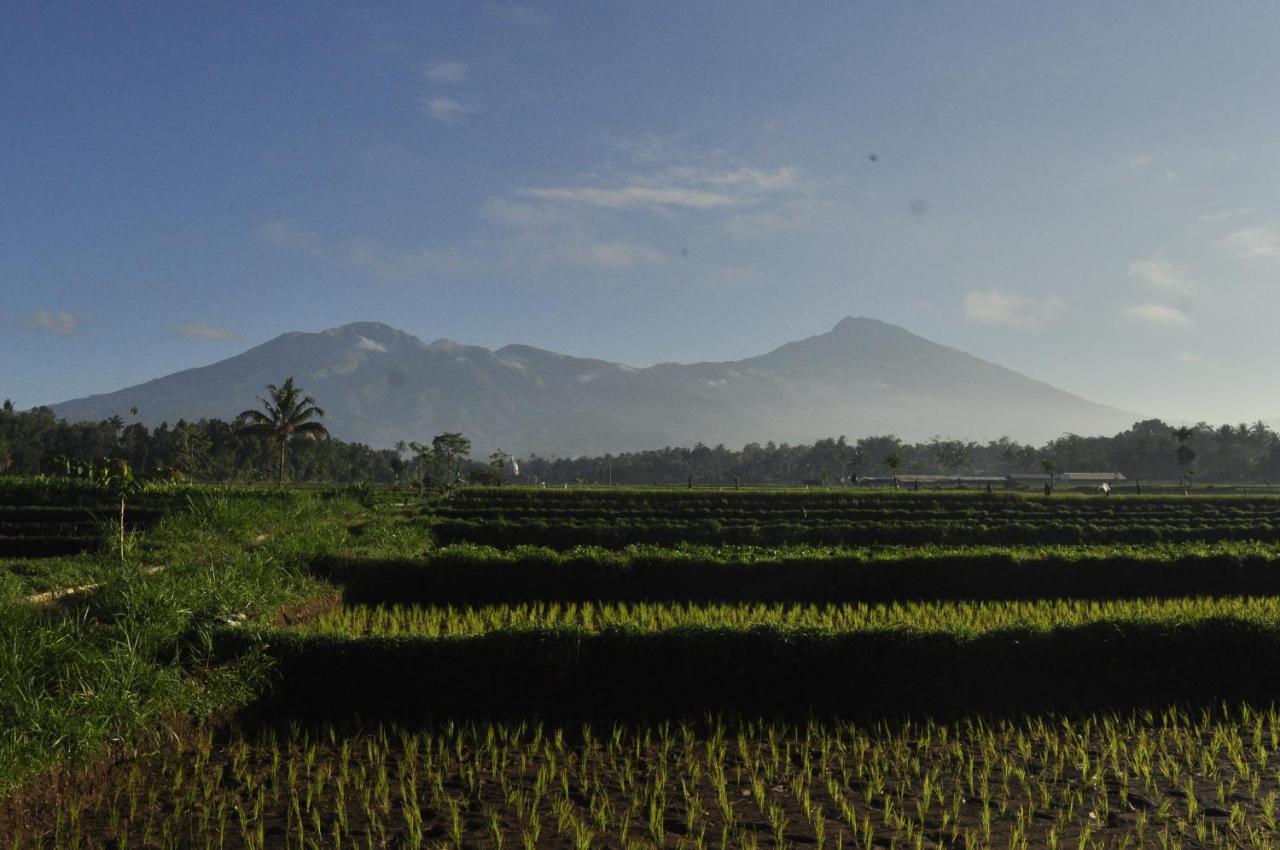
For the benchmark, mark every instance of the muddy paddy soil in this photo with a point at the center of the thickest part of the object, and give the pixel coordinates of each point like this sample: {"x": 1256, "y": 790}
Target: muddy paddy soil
{"x": 1153, "y": 781}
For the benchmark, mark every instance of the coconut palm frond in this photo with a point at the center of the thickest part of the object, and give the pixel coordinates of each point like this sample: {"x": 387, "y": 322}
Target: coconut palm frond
{"x": 286, "y": 412}
{"x": 312, "y": 431}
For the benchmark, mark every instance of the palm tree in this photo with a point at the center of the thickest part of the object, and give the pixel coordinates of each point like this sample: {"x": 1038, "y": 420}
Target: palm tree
{"x": 288, "y": 414}
{"x": 1185, "y": 454}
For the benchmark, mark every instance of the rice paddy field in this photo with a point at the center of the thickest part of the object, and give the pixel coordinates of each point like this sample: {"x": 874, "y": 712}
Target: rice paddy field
{"x": 641, "y": 669}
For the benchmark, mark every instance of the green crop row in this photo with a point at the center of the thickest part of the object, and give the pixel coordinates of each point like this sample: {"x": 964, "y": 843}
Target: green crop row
{"x": 960, "y": 618}
{"x": 620, "y": 532}
{"x": 904, "y": 499}
{"x": 977, "y": 513}
{"x": 854, "y": 508}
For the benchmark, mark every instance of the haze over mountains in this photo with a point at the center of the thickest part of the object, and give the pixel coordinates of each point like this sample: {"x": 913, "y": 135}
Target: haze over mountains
{"x": 379, "y": 385}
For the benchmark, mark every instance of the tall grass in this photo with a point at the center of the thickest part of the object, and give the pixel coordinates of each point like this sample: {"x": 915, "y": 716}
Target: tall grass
{"x": 114, "y": 663}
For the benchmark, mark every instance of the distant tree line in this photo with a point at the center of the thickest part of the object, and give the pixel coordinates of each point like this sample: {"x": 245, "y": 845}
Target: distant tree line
{"x": 1151, "y": 450}
{"x": 36, "y": 441}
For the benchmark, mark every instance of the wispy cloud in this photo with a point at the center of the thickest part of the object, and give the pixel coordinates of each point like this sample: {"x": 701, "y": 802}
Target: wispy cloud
{"x": 688, "y": 187}
{"x": 1189, "y": 358}
{"x": 448, "y": 72}
{"x": 212, "y": 333}
{"x": 365, "y": 344}
{"x": 1254, "y": 243}
{"x": 594, "y": 224}
{"x": 1159, "y": 276}
{"x": 62, "y": 324}
{"x": 448, "y": 110}
{"x": 995, "y": 307}
{"x": 634, "y": 197}
{"x": 1158, "y": 316}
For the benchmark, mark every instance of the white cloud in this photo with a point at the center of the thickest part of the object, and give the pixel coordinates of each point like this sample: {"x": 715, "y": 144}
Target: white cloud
{"x": 683, "y": 186}
{"x": 756, "y": 179}
{"x": 1254, "y": 243}
{"x": 1140, "y": 161}
{"x": 448, "y": 72}
{"x": 212, "y": 333}
{"x": 1158, "y": 316}
{"x": 634, "y": 197}
{"x": 62, "y": 324}
{"x": 365, "y": 344}
{"x": 447, "y": 109}
{"x": 1160, "y": 276}
{"x": 594, "y": 225}
{"x": 1189, "y": 358}
{"x": 994, "y": 307}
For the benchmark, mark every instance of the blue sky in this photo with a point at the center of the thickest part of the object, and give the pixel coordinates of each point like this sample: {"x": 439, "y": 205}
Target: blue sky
{"x": 1085, "y": 192}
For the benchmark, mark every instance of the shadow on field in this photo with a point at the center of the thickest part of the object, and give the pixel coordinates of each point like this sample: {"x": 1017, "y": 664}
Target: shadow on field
{"x": 486, "y": 578}
{"x": 623, "y": 675}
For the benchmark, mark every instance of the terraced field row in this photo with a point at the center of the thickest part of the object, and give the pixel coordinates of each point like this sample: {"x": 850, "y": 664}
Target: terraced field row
{"x": 624, "y": 531}
{"x": 30, "y": 531}
{"x": 963, "y": 619}
{"x": 624, "y": 499}
{"x": 615, "y": 518}
{"x": 468, "y": 574}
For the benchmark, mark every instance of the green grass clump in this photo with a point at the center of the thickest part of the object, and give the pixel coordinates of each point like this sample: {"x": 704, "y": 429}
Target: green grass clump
{"x": 114, "y": 663}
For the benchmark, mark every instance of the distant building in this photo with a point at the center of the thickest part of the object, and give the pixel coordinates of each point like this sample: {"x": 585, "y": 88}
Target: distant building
{"x": 1013, "y": 479}
{"x": 1067, "y": 477}
{"x": 1090, "y": 477}
{"x": 936, "y": 481}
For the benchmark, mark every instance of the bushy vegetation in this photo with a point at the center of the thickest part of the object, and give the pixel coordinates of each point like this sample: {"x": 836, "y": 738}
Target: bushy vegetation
{"x": 135, "y": 649}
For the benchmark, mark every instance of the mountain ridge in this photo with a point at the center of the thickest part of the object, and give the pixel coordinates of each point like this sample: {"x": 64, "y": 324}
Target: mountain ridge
{"x": 379, "y": 384}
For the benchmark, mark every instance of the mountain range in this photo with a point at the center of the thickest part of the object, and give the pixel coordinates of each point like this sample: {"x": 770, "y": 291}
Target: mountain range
{"x": 379, "y": 385}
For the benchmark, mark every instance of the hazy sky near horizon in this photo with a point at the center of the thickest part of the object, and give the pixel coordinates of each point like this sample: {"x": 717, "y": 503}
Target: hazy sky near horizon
{"x": 1085, "y": 192}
